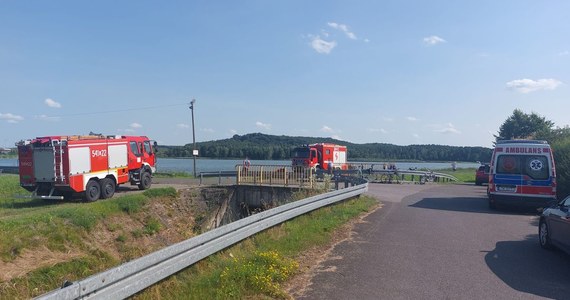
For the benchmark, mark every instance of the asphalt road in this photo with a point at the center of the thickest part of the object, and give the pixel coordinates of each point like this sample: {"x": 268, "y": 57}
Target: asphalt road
{"x": 442, "y": 242}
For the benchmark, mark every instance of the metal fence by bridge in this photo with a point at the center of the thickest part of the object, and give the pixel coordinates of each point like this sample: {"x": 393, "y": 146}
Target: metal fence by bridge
{"x": 284, "y": 175}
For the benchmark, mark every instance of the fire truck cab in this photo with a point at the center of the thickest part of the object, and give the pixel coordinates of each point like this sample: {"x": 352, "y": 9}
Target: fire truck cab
{"x": 321, "y": 156}
{"x": 56, "y": 167}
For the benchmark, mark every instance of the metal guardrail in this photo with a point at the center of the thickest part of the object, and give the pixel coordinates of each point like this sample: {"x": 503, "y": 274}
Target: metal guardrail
{"x": 389, "y": 176}
{"x": 219, "y": 174}
{"x": 134, "y": 276}
{"x": 9, "y": 169}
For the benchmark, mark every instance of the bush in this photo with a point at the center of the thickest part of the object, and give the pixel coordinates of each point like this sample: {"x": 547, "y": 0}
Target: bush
{"x": 561, "y": 149}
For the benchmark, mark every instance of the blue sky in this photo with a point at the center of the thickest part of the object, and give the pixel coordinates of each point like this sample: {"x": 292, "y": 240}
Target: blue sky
{"x": 400, "y": 72}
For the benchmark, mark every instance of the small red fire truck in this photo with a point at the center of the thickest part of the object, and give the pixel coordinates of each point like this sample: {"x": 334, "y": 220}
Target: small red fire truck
{"x": 322, "y": 156}
{"x": 55, "y": 167}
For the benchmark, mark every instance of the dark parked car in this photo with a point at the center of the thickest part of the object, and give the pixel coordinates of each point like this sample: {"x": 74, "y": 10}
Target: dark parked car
{"x": 482, "y": 174}
{"x": 554, "y": 226}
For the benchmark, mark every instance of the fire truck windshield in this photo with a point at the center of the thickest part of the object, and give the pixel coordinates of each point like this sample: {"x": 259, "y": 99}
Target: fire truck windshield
{"x": 300, "y": 153}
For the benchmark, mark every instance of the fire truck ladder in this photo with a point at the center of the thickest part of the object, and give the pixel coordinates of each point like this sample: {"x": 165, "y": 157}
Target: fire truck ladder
{"x": 57, "y": 146}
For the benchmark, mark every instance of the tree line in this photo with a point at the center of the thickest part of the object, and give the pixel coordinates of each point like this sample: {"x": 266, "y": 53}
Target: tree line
{"x": 271, "y": 147}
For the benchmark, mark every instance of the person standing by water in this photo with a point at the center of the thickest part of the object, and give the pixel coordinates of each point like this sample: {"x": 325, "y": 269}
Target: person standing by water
{"x": 246, "y": 164}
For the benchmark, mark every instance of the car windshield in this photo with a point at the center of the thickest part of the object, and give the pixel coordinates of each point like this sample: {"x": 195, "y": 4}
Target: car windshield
{"x": 536, "y": 167}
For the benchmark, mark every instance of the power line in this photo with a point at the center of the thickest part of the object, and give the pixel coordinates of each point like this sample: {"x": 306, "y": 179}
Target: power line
{"x": 117, "y": 110}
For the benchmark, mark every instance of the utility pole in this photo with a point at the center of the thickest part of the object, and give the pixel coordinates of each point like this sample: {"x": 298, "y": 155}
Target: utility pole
{"x": 194, "y": 150}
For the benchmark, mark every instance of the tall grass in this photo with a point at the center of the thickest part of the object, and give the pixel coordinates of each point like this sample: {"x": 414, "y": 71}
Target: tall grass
{"x": 256, "y": 267}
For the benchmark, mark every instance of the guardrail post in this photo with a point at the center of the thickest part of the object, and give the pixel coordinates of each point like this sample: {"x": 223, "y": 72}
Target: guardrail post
{"x": 201, "y": 178}
{"x": 261, "y": 175}
{"x": 219, "y": 177}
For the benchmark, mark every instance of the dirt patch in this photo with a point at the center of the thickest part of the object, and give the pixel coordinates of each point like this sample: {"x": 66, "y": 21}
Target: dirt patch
{"x": 311, "y": 261}
{"x": 34, "y": 259}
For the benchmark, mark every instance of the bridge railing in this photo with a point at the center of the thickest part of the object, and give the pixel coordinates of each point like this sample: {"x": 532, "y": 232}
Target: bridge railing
{"x": 380, "y": 174}
{"x": 284, "y": 175}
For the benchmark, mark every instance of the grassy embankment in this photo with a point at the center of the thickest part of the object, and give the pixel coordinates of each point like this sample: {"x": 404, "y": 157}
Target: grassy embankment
{"x": 71, "y": 233}
{"x": 463, "y": 175}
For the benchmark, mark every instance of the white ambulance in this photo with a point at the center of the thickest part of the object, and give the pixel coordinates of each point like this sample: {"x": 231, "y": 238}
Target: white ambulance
{"x": 522, "y": 174}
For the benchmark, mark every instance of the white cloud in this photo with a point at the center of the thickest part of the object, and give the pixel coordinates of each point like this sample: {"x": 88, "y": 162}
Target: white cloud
{"x": 343, "y": 28}
{"x": 322, "y": 46}
{"x": 381, "y": 130}
{"x": 263, "y": 125}
{"x": 433, "y": 40}
{"x": 233, "y": 131}
{"x": 135, "y": 125}
{"x": 11, "y": 118}
{"x": 183, "y": 126}
{"x": 48, "y": 118}
{"x": 325, "y": 128}
{"x": 412, "y": 119}
{"x": 366, "y": 40}
{"x": 528, "y": 85}
{"x": 564, "y": 53}
{"x": 51, "y": 103}
{"x": 449, "y": 128}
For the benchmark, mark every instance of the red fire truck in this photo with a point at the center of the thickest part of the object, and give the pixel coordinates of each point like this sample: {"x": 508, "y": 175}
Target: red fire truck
{"x": 56, "y": 167}
{"x": 322, "y": 156}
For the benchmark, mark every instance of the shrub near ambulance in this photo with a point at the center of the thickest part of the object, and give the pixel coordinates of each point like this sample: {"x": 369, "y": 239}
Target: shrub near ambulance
{"x": 522, "y": 174}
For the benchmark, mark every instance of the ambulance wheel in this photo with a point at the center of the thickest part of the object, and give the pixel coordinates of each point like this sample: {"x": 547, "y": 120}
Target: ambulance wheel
{"x": 107, "y": 188}
{"x": 146, "y": 181}
{"x": 92, "y": 191}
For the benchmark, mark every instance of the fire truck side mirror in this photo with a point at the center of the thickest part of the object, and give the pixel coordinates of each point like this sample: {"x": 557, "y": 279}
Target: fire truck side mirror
{"x": 154, "y": 147}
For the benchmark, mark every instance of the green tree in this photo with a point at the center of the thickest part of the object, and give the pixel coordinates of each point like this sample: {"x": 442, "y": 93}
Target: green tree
{"x": 524, "y": 126}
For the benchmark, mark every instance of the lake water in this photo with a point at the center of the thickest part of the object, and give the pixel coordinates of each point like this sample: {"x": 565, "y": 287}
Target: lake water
{"x": 214, "y": 165}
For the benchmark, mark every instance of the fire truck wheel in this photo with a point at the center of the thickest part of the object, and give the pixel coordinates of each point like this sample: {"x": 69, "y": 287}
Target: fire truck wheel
{"x": 146, "y": 181}
{"x": 92, "y": 191}
{"x": 107, "y": 188}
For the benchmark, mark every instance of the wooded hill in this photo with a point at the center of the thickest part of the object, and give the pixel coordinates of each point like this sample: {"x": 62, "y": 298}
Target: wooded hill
{"x": 265, "y": 147}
